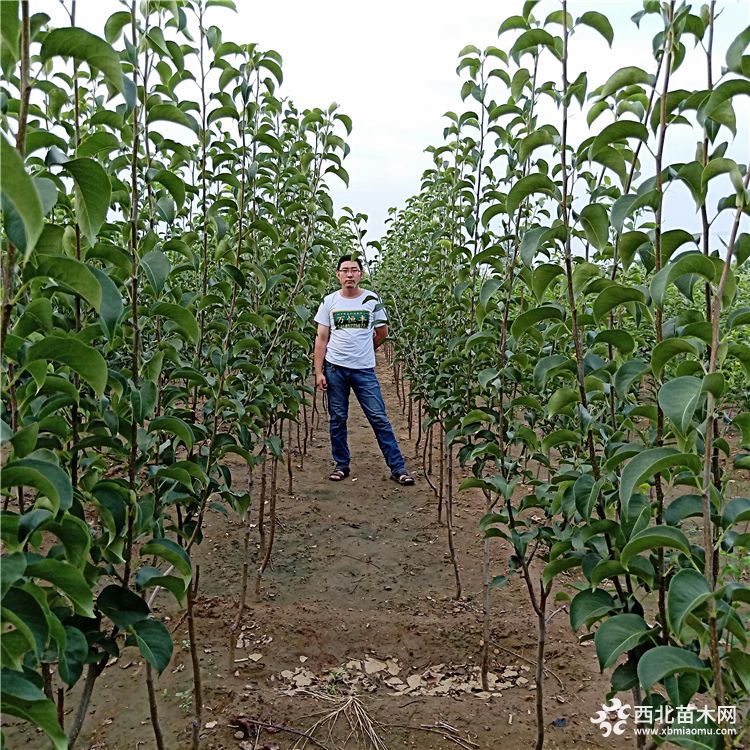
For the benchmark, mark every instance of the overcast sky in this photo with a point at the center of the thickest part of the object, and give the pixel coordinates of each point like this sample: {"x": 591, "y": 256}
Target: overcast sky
{"x": 391, "y": 64}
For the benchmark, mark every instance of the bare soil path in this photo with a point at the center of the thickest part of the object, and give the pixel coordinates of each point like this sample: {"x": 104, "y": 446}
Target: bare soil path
{"x": 358, "y": 602}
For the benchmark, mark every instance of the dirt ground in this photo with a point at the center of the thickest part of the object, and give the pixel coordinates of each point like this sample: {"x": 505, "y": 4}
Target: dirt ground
{"x": 357, "y": 606}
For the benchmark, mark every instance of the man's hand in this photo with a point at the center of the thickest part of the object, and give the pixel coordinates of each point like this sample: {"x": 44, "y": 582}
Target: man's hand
{"x": 321, "y": 383}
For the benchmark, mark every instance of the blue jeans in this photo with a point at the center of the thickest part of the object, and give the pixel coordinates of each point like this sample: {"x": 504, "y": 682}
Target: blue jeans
{"x": 367, "y": 390}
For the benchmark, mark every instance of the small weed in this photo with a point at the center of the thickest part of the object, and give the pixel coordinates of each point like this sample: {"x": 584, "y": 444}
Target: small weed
{"x": 185, "y": 698}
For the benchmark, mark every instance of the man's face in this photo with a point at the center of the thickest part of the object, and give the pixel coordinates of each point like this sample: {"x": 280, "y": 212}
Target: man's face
{"x": 349, "y": 274}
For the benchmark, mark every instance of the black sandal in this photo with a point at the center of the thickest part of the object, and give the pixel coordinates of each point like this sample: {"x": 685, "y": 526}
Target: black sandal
{"x": 403, "y": 478}
{"x": 337, "y": 475}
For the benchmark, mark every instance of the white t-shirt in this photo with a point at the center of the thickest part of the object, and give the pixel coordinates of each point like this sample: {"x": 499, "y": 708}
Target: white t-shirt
{"x": 351, "y": 322}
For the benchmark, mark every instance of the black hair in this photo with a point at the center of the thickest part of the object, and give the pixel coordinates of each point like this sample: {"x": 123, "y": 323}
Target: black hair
{"x": 345, "y": 258}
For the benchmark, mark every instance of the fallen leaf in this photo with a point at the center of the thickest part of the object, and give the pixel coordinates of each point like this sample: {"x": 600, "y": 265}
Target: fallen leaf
{"x": 414, "y": 680}
{"x": 372, "y": 666}
{"x": 255, "y": 657}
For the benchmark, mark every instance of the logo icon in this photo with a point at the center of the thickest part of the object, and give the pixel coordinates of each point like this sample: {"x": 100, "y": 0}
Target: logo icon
{"x": 612, "y": 724}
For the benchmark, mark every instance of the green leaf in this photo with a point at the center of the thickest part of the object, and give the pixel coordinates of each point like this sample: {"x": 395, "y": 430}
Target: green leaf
{"x": 545, "y": 366}
{"x": 589, "y": 606}
{"x": 617, "y": 635}
{"x": 656, "y": 537}
{"x": 172, "y": 113}
{"x": 735, "y": 52}
{"x": 75, "y": 536}
{"x": 74, "y": 657}
{"x": 24, "y": 700}
{"x": 175, "y": 426}
{"x": 511, "y": 23}
{"x": 26, "y": 613}
{"x": 560, "y": 437}
{"x": 671, "y": 240}
{"x": 24, "y": 441}
{"x": 68, "y": 579}
{"x": 148, "y": 577}
{"x": 172, "y": 183}
{"x": 36, "y": 316}
{"x": 98, "y": 142}
{"x": 172, "y": 553}
{"x": 93, "y": 192}
{"x": 10, "y": 27}
{"x": 627, "y": 374}
{"x": 561, "y": 399}
{"x": 629, "y": 243}
{"x": 722, "y": 166}
{"x": 182, "y": 317}
{"x": 623, "y": 77}
{"x": 551, "y": 569}
{"x": 48, "y": 479}
{"x": 543, "y": 276}
{"x": 530, "y": 143}
{"x": 11, "y": 571}
{"x": 583, "y": 273}
{"x": 667, "y": 349}
{"x": 115, "y": 24}
{"x": 661, "y": 662}
{"x": 595, "y": 223}
{"x": 157, "y": 267}
{"x": 692, "y": 263}
{"x": 489, "y": 287}
{"x": 679, "y": 398}
{"x": 617, "y": 132}
{"x": 735, "y": 511}
{"x": 742, "y": 421}
{"x": 111, "y": 308}
{"x": 19, "y": 190}
{"x": 739, "y": 661}
{"x": 154, "y": 642}
{"x": 529, "y": 318}
{"x": 122, "y": 606}
{"x": 612, "y": 296}
{"x": 723, "y": 94}
{"x": 600, "y": 22}
{"x": 687, "y": 590}
{"x": 83, "y": 359}
{"x": 535, "y": 238}
{"x": 685, "y": 506}
{"x": 83, "y": 46}
{"x": 530, "y": 41}
{"x": 266, "y": 228}
{"x": 645, "y": 464}
{"x": 526, "y": 186}
{"x": 620, "y": 339}
{"x": 70, "y": 273}
{"x": 143, "y": 402}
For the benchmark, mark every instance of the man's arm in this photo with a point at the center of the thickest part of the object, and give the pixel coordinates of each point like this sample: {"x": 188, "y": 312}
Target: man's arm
{"x": 321, "y": 345}
{"x": 379, "y": 335}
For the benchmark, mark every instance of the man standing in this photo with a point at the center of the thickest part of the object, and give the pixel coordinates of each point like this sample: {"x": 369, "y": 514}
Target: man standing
{"x": 350, "y": 328}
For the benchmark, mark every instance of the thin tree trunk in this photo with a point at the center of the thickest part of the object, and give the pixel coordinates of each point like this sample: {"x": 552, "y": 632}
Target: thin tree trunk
{"x": 271, "y": 532}
{"x": 197, "y": 722}
{"x": 449, "y": 520}
{"x": 153, "y": 708}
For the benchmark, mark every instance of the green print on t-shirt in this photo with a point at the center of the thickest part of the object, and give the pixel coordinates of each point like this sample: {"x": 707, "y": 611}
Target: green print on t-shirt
{"x": 351, "y": 319}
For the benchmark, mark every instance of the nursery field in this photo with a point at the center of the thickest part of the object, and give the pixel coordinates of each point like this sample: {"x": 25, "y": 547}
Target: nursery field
{"x": 568, "y": 298}
{"x": 362, "y": 581}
